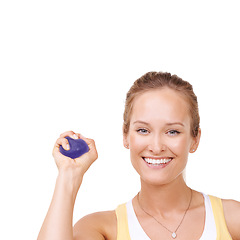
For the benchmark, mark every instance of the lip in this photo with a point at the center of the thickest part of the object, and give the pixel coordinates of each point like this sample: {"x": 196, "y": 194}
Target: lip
{"x": 158, "y": 165}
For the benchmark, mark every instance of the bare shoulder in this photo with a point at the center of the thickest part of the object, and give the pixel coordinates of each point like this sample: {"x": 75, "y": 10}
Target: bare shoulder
{"x": 97, "y": 226}
{"x": 232, "y": 215}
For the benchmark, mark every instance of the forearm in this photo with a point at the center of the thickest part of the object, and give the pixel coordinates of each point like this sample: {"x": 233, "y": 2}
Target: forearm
{"x": 58, "y": 222}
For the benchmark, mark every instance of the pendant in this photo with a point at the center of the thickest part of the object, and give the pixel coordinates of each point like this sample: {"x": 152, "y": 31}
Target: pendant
{"x": 174, "y": 235}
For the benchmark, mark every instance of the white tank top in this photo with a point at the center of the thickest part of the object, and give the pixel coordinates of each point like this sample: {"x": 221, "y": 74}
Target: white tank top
{"x": 137, "y": 233}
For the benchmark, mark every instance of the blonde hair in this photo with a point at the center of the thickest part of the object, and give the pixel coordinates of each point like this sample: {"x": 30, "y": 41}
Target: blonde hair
{"x": 159, "y": 80}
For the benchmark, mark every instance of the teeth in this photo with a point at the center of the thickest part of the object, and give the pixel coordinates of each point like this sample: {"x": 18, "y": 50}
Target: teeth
{"x": 157, "y": 161}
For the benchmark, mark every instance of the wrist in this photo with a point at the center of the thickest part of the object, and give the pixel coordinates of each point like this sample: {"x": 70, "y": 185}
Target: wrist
{"x": 70, "y": 181}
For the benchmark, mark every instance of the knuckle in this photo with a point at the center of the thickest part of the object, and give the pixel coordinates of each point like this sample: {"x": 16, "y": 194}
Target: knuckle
{"x": 67, "y": 133}
{"x": 61, "y": 141}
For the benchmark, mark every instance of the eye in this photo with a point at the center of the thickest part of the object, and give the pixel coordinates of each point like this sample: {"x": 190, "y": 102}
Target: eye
{"x": 142, "y": 131}
{"x": 173, "y": 132}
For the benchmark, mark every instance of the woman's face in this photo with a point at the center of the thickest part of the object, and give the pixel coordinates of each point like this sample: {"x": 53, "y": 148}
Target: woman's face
{"x": 159, "y": 136}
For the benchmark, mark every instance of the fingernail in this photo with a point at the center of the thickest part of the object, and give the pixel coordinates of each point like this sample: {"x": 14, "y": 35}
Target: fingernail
{"x": 68, "y": 147}
{"x": 75, "y": 136}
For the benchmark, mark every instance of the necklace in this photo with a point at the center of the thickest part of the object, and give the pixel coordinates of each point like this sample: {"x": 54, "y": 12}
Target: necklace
{"x": 174, "y": 233}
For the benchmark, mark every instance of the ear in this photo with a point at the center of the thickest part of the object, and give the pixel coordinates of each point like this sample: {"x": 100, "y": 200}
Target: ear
{"x": 195, "y": 142}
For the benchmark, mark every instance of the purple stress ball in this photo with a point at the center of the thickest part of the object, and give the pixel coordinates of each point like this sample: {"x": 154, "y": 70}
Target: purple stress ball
{"x": 77, "y": 148}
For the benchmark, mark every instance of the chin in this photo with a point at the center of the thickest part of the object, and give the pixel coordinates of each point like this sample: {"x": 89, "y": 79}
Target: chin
{"x": 156, "y": 179}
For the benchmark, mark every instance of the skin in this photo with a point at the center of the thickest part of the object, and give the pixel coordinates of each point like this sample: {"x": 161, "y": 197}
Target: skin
{"x": 159, "y": 128}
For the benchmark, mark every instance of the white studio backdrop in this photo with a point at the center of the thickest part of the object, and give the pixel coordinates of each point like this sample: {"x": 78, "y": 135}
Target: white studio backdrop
{"x": 67, "y": 65}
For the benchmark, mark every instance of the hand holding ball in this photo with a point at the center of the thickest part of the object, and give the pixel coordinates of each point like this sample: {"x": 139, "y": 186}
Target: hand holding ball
{"x": 77, "y": 148}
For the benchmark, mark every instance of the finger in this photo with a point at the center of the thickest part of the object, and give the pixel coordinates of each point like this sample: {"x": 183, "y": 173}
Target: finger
{"x": 62, "y": 142}
{"x": 92, "y": 148}
{"x": 69, "y": 134}
{"x": 79, "y": 135}
{"x": 90, "y": 142}
{"x": 86, "y": 160}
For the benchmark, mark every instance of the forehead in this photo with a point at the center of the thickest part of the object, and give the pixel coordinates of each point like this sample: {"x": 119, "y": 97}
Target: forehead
{"x": 164, "y": 105}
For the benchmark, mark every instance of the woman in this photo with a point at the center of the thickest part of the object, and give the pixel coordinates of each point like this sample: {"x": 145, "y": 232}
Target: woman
{"x": 161, "y": 127}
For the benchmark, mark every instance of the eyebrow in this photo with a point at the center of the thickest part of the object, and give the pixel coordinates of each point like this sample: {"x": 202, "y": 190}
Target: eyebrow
{"x": 176, "y": 123}
{"x": 168, "y": 124}
{"x": 138, "y": 121}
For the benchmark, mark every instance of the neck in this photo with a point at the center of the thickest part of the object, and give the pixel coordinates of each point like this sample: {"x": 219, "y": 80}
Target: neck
{"x": 165, "y": 198}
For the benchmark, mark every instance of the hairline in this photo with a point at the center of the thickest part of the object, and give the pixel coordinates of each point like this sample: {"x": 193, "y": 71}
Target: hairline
{"x": 159, "y": 88}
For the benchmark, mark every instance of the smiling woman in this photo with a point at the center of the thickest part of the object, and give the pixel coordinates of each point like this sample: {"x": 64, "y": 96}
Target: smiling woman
{"x": 167, "y": 133}
{"x": 161, "y": 128}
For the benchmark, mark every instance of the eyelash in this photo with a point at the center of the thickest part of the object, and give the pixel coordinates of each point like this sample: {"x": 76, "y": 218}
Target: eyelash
{"x": 170, "y": 132}
{"x": 174, "y": 132}
{"x": 142, "y": 130}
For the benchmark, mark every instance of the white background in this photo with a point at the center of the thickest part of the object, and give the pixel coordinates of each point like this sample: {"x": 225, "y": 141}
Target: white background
{"x": 67, "y": 65}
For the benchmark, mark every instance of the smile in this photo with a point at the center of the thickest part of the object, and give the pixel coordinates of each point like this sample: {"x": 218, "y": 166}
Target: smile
{"x": 160, "y": 161}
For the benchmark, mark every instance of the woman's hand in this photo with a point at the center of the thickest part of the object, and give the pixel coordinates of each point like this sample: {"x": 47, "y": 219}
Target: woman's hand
{"x": 79, "y": 165}
{"x": 58, "y": 222}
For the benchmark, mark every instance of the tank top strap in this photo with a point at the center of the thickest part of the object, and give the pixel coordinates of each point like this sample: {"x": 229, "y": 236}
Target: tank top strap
{"x": 221, "y": 226}
{"x": 122, "y": 223}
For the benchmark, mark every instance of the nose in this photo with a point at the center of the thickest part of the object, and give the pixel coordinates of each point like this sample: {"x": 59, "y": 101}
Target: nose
{"x": 157, "y": 145}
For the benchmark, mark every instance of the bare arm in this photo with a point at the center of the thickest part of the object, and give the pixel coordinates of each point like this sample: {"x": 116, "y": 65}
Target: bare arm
{"x": 58, "y": 222}
{"x": 101, "y": 226}
{"x": 232, "y": 215}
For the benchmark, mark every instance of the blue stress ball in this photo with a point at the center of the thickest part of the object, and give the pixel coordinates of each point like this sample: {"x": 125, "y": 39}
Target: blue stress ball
{"x": 77, "y": 148}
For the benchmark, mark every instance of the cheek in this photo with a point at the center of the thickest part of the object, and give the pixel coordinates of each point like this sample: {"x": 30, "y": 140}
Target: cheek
{"x": 179, "y": 145}
{"x": 136, "y": 143}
